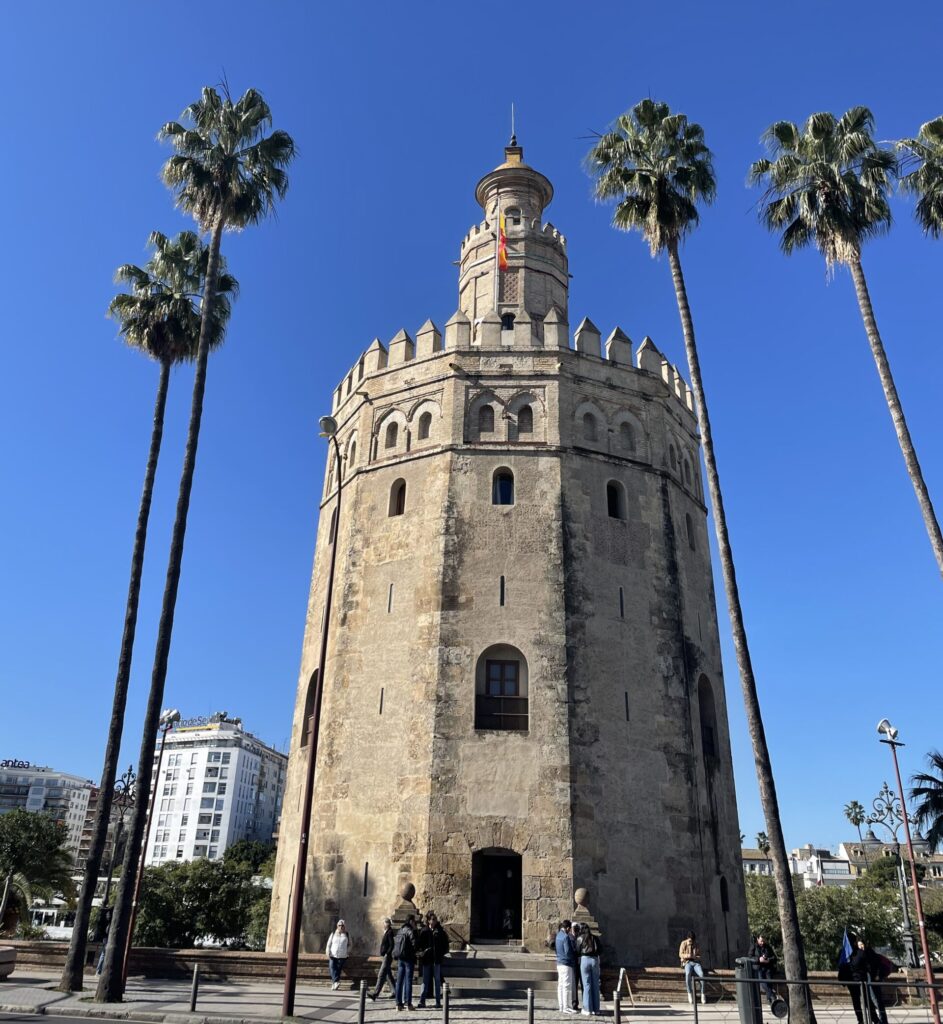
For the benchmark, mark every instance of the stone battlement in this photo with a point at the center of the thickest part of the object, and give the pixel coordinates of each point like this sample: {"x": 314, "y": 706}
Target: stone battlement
{"x": 547, "y": 230}
{"x": 552, "y": 334}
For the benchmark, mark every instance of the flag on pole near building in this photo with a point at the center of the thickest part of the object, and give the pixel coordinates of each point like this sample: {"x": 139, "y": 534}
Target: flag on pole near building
{"x": 502, "y": 245}
{"x": 845, "y": 955}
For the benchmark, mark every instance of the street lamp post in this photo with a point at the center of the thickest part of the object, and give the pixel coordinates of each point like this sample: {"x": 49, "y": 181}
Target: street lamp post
{"x": 328, "y": 427}
{"x": 890, "y": 813}
{"x": 889, "y": 734}
{"x": 123, "y": 802}
{"x": 168, "y": 720}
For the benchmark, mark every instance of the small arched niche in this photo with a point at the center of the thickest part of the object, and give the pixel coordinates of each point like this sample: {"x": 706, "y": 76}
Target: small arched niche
{"x": 708, "y": 716}
{"x": 398, "y": 498}
{"x": 425, "y": 426}
{"x": 391, "y": 436}
{"x": 590, "y": 428}
{"x": 615, "y": 500}
{"x": 502, "y": 487}
{"x": 501, "y": 689}
{"x": 525, "y": 420}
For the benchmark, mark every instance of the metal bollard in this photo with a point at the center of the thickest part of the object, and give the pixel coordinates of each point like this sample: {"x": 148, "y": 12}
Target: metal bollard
{"x": 194, "y": 987}
{"x": 445, "y": 1002}
{"x": 362, "y": 1010}
{"x": 530, "y": 1006}
{"x": 617, "y": 1006}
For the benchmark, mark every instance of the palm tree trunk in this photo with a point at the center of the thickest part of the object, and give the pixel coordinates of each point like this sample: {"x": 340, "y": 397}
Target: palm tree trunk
{"x": 111, "y": 983}
{"x": 897, "y": 412}
{"x": 72, "y": 973}
{"x": 5, "y": 896}
{"x": 793, "y": 952}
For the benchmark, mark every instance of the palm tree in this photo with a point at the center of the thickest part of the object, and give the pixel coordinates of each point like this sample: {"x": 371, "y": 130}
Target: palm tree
{"x": 857, "y": 816}
{"x": 925, "y": 181}
{"x": 927, "y": 794}
{"x": 228, "y": 174}
{"x": 762, "y": 844}
{"x": 657, "y": 168}
{"x": 827, "y": 186}
{"x": 160, "y": 317}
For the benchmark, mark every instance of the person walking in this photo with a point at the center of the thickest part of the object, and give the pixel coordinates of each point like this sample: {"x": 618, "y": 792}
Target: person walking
{"x": 587, "y": 946}
{"x": 765, "y": 957}
{"x": 432, "y": 947}
{"x": 866, "y": 970}
{"x": 385, "y": 974}
{"x": 565, "y": 947}
{"x": 338, "y": 948}
{"x": 689, "y": 953}
{"x": 404, "y": 951}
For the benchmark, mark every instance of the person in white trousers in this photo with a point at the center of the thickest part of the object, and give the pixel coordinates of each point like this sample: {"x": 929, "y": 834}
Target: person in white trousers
{"x": 565, "y": 946}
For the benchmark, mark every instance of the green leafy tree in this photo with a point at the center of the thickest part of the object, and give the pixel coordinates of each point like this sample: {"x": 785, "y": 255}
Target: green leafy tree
{"x": 826, "y": 186}
{"x": 923, "y": 161}
{"x": 228, "y": 174}
{"x": 33, "y": 858}
{"x": 927, "y": 794}
{"x": 656, "y": 167}
{"x": 158, "y": 316}
{"x": 249, "y": 852}
{"x": 883, "y": 872}
{"x": 259, "y": 910}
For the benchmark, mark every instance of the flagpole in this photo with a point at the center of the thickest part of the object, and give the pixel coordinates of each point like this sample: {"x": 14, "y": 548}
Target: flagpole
{"x": 497, "y": 248}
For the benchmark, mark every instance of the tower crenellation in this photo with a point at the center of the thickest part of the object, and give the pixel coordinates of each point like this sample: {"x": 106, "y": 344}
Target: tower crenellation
{"x": 523, "y": 693}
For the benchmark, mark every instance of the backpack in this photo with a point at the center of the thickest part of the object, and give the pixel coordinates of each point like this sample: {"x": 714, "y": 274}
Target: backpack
{"x": 402, "y": 944}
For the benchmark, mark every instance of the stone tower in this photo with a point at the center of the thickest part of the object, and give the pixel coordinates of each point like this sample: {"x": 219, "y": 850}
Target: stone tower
{"x": 523, "y": 690}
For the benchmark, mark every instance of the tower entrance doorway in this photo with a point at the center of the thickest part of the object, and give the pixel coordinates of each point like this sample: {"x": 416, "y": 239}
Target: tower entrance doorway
{"x": 496, "y": 894}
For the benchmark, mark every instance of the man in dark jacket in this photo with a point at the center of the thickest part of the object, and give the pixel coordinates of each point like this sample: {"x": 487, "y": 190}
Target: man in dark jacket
{"x": 865, "y": 969}
{"x": 404, "y": 950}
{"x": 385, "y": 975}
{"x": 765, "y": 957}
{"x": 432, "y": 947}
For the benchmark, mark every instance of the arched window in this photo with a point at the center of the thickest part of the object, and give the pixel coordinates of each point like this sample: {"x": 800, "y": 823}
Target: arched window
{"x": 689, "y": 526}
{"x": 501, "y": 687}
{"x": 687, "y": 472}
{"x": 309, "y": 709}
{"x": 507, "y": 322}
{"x": 425, "y": 423}
{"x": 513, "y": 215}
{"x": 672, "y": 457}
{"x": 525, "y": 420}
{"x": 708, "y": 716}
{"x": 502, "y": 487}
{"x": 589, "y": 427}
{"x": 333, "y": 527}
{"x": 486, "y": 420}
{"x": 352, "y": 453}
{"x": 627, "y": 436}
{"x": 392, "y": 435}
{"x": 615, "y": 499}
{"x": 724, "y": 896}
{"x": 398, "y": 498}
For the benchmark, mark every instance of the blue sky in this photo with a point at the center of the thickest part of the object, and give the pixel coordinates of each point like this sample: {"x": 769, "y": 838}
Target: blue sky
{"x": 397, "y": 111}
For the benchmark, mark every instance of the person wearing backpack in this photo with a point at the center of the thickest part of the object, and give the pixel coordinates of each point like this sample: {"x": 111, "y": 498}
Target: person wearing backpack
{"x": 404, "y": 951}
{"x": 385, "y": 974}
{"x": 587, "y": 947}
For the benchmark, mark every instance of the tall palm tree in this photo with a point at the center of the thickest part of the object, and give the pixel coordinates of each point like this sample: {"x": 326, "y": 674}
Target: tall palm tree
{"x": 227, "y": 173}
{"x": 923, "y": 161}
{"x": 159, "y": 316}
{"x": 826, "y": 185}
{"x": 927, "y": 793}
{"x": 763, "y": 844}
{"x": 857, "y": 816}
{"x": 657, "y": 168}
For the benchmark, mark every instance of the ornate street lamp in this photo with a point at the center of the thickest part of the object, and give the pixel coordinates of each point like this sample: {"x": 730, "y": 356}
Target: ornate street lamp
{"x": 890, "y": 814}
{"x": 328, "y": 427}
{"x": 122, "y": 802}
{"x": 889, "y": 734}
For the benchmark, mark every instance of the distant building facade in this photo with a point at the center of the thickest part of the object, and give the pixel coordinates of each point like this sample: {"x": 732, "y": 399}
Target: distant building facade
{"x": 62, "y": 796}
{"x": 818, "y": 867}
{"x": 217, "y": 784}
{"x": 755, "y": 862}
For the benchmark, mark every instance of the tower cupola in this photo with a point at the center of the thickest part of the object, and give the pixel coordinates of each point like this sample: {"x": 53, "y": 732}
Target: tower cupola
{"x": 534, "y": 278}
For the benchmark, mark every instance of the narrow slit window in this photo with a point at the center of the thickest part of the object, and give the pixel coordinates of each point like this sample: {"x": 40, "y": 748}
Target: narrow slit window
{"x": 382, "y": 688}
{"x": 501, "y": 592}
{"x": 637, "y": 902}
{"x": 627, "y": 705}
{"x": 689, "y": 526}
{"x": 389, "y": 600}
{"x": 621, "y": 603}
{"x": 333, "y": 528}
{"x": 366, "y": 875}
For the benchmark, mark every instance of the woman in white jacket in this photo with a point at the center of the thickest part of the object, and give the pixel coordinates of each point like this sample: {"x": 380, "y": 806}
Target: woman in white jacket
{"x": 338, "y": 946}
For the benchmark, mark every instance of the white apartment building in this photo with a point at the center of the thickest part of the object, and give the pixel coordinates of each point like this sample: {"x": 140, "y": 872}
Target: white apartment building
{"x": 217, "y": 784}
{"x": 62, "y": 796}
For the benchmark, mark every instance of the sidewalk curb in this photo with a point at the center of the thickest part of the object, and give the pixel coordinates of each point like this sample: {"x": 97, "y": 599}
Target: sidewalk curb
{"x": 149, "y": 1016}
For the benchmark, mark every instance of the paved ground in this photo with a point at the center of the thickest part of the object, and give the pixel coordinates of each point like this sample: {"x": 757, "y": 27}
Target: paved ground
{"x": 153, "y": 1000}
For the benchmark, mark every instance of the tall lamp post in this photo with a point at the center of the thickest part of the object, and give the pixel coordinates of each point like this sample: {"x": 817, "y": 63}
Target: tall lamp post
{"x": 889, "y": 736}
{"x": 123, "y": 801}
{"x": 328, "y": 427}
{"x": 168, "y": 719}
{"x": 891, "y": 814}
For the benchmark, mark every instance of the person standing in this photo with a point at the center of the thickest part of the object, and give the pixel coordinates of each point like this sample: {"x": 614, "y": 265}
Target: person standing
{"x": 432, "y": 948}
{"x": 689, "y": 953}
{"x": 338, "y": 948}
{"x": 765, "y": 957}
{"x": 587, "y": 946}
{"x": 385, "y": 974}
{"x": 865, "y": 969}
{"x": 404, "y": 951}
{"x": 566, "y": 964}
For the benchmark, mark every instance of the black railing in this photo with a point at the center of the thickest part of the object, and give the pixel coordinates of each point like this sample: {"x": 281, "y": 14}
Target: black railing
{"x": 509, "y": 713}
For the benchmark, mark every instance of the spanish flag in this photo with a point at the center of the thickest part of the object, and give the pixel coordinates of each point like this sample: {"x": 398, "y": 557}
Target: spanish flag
{"x": 502, "y": 245}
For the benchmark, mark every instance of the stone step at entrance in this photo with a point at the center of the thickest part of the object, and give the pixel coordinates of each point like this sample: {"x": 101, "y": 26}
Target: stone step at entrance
{"x": 495, "y": 970}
